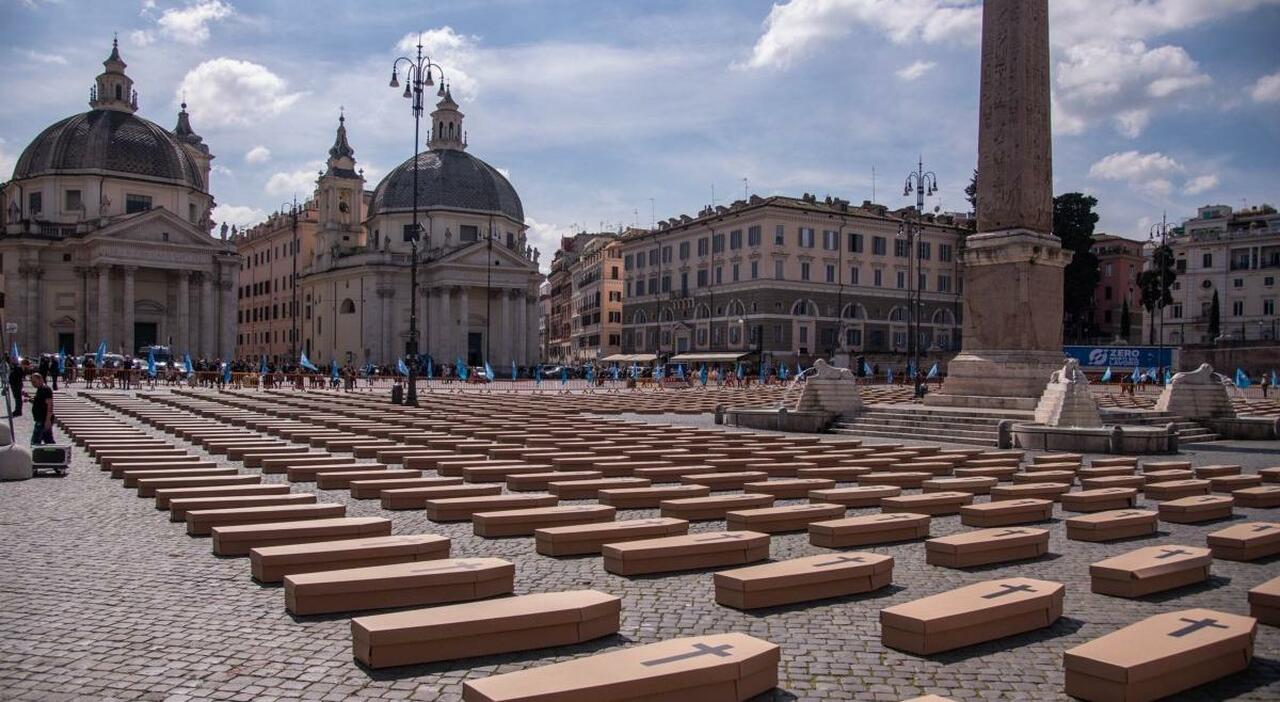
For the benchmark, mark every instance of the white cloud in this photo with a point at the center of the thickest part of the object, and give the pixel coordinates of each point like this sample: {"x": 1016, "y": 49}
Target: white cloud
{"x": 1147, "y": 172}
{"x": 141, "y": 37}
{"x": 8, "y": 160}
{"x": 1123, "y": 82}
{"x": 41, "y": 57}
{"x": 231, "y": 92}
{"x": 454, "y": 51}
{"x": 1200, "y": 184}
{"x": 301, "y": 182}
{"x": 190, "y": 24}
{"x": 915, "y": 70}
{"x": 1267, "y": 89}
{"x": 237, "y": 215}
{"x": 258, "y": 154}
{"x": 545, "y": 237}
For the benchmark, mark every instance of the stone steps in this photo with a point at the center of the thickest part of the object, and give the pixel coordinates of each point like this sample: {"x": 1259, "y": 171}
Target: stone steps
{"x": 922, "y": 424}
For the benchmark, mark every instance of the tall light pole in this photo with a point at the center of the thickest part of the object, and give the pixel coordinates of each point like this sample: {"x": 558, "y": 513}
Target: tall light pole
{"x": 1159, "y": 258}
{"x": 924, "y": 183}
{"x": 417, "y": 76}
{"x": 293, "y": 210}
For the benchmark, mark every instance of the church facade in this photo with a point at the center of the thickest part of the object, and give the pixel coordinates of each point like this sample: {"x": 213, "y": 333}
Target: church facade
{"x": 105, "y": 235}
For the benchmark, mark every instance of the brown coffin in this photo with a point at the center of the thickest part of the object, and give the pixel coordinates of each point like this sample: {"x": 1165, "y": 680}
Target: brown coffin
{"x": 840, "y": 474}
{"x": 790, "y": 488}
{"x": 461, "y": 509}
{"x": 416, "y": 497}
{"x": 712, "y": 507}
{"x": 868, "y": 530}
{"x": 496, "y": 474}
{"x": 201, "y": 521}
{"x": 1100, "y": 500}
{"x": 1246, "y": 542}
{"x": 930, "y": 698}
{"x": 976, "y": 485}
{"x": 1231, "y": 483}
{"x": 1040, "y": 491}
{"x": 1151, "y": 569}
{"x": 1167, "y": 476}
{"x": 1264, "y": 602}
{"x": 1106, "y": 481}
{"x": 864, "y": 496}
{"x": 671, "y": 474}
{"x": 341, "y": 480}
{"x": 132, "y": 477}
{"x": 539, "y": 482}
{"x": 372, "y": 487}
{"x": 932, "y": 503}
{"x": 803, "y": 579}
{"x": 1105, "y": 471}
{"x": 409, "y": 584}
{"x": 782, "y": 469}
{"x": 905, "y": 479}
{"x": 239, "y": 539}
{"x": 986, "y": 546}
{"x": 523, "y": 522}
{"x": 1006, "y": 512}
{"x": 280, "y": 465}
{"x": 308, "y": 474}
{"x": 778, "y": 520}
{"x": 269, "y": 564}
{"x": 972, "y": 614}
{"x": 147, "y": 486}
{"x": 1270, "y": 475}
{"x": 590, "y": 489}
{"x": 178, "y": 508}
{"x": 1041, "y": 459}
{"x": 119, "y": 469}
{"x": 163, "y": 497}
{"x": 581, "y": 539}
{"x": 673, "y": 553}
{"x": 1113, "y": 525}
{"x": 1193, "y": 510}
{"x": 1002, "y": 473}
{"x": 1175, "y": 489}
{"x": 648, "y": 497}
{"x": 1261, "y": 497}
{"x": 730, "y": 667}
{"x": 484, "y": 628}
{"x": 1044, "y": 476}
{"x": 1150, "y": 466}
{"x": 719, "y": 482}
{"x": 1160, "y": 656}
{"x": 1216, "y": 471}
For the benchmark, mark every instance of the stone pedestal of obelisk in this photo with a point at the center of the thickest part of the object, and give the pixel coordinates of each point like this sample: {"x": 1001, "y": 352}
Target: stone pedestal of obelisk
{"x": 1013, "y": 266}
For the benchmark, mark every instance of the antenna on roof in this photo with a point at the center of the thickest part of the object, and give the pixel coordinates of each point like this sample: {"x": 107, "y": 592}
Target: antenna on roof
{"x": 746, "y": 186}
{"x": 873, "y": 183}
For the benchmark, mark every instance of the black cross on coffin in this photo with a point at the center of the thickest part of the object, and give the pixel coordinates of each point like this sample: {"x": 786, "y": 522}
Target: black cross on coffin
{"x": 892, "y": 517}
{"x": 699, "y": 650}
{"x": 1263, "y": 527}
{"x": 1011, "y": 532}
{"x": 839, "y": 560}
{"x": 1194, "y": 625}
{"x": 1006, "y": 589}
{"x": 720, "y": 537}
{"x": 1171, "y": 552}
{"x": 1129, "y": 514}
{"x": 463, "y": 565}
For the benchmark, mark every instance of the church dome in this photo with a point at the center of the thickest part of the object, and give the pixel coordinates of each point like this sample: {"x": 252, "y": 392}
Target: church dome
{"x": 448, "y": 179}
{"x": 106, "y": 141}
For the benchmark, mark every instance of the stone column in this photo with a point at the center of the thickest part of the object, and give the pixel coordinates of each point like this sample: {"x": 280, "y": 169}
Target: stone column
{"x": 82, "y": 323}
{"x": 439, "y": 336}
{"x": 387, "y": 350}
{"x": 184, "y": 315}
{"x": 126, "y": 302}
{"x": 104, "y": 306}
{"x": 226, "y": 321}
{"x": 31, "y": 333}
{"x": 503, "y": 345}
{"x": 1012, "y": 340}
{"x": 209, "y": 326}
{"x": 531, "y": 326}
{"x": 460, "y": 323}
{"x": 520, "y": 330}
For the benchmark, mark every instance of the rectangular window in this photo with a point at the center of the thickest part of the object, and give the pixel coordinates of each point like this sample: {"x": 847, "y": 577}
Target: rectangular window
{"x": 1237, "y": 308}
{"x": 1268, "y": 308}
{"x": 853, "y": 275}
{"x": 922, "y": 282}
{"x": 944, "y": 283}
{"x": 777, "y": 270}
{"x": 779, "y": 236}
{"x": 944, "y": 252}
{"x": 900, "y": 248}
{"x": 831, "y": 273}
{"x": 855, "y": 243}
{"x": 804, "y": 271}
{"x": 703, "y": 246}
{"x": 626, "y": 262}
{"x": 407, "y": 233}
{"x": 830, "y": 240}
{"x": 666, "y": 285}
{"x": 35, "y": 204}
{"x": 653, "y": 257}
{"x": 878, "y": 245}
{"x": 735, "y": 239}
{"x": 755, "y": 270}
{"x": 684, "y": 250}
{"x": 735, "y": 272}
{"x": 879, "y": 277}
{"x": 1106, "y": 292}
{"x": 702, "y": 278}
{"x": 753, "y": 235}
{"x": 640, "y": 261}
{"x": 136, "y": 203}
{"x": 902, "y": 280}
{"x": 469, "y": 232}
{"x": 72, "y": 201}
{"x": 806, "y": 237}
{"x": 1237, "y": 282}
{"x": 1206, "y": 261}
{"x": 1177, "y": 312}
{"x": 719, "y": 275}
{"x": 1181, "y": 265}
{"x": 684, "y": 283}
{"x": 1269, "y": 281}
{"x": 717, "y": 243}
{"x": 653, "y": 286}
{"x": 853, "y": 337}
{"x": 666, "y": 254}
{"x": 924, "y": 247}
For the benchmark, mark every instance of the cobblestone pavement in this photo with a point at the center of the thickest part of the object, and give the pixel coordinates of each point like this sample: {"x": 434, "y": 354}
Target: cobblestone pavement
{"x": 104, "y": 598}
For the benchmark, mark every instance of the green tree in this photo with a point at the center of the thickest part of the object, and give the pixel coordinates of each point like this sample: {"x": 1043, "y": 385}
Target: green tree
{"x": 1073, "y": 222}
{"x": 1154, "y": 285}
{"x": 1215, "y": 318}
{"x": 1126, "y": 322}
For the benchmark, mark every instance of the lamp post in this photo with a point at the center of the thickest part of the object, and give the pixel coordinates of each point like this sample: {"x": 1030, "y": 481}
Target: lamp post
{"x": 924, "y": 183}
{"x": 1161, "y": 228}
{"x": 293, "y": 210}
{"x": 417, "y": 77}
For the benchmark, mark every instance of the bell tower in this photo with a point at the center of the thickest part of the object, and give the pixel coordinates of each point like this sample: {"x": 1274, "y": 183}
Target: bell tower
{"x": 446, "y": 125}
{"x": 113, "y": 89}
{"x": 341, "y": 202}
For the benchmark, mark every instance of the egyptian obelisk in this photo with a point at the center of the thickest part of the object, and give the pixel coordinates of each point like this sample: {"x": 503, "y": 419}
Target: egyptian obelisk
{"x": 1012, "y": 338}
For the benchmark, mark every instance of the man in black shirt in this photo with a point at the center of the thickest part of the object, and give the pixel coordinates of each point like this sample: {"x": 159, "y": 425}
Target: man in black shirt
{"x": 16, "y": 373}
{"x": 41, "y": 412}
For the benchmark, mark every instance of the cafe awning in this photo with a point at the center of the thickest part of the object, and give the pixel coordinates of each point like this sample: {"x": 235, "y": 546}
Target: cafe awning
{"x": 630, "y": 358}
{"x": 711, "y": 357}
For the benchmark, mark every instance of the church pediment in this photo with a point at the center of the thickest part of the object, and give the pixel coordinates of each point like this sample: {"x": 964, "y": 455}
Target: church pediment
{"x": 156, "y": 226}
{"x": 477, "y": 254}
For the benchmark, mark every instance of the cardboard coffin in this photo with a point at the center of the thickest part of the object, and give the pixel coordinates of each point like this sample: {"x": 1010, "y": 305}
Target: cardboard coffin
{"x": 201, "y": 521}
{"x": 712, "y": 507}
{"x": 581, "y": 539}
{"x": 790, "y": 488}
{"x": 1167, "y": 476}
{"x": 269, "y": 564}
{"x": 1270, "y": 475}
{"x": 523, "y": 522}
{"x": 1264, "y": 602}
{"x": 783, "y": 469}
{"x": 1151, "y": 569}
{"x": 838, "y": 473}
{"x": 716, "y": 667}
{"x": 855, "y": 497}
{"x": 1231, "y": 483}
{"x": 167, "y": 495}
{"x": 719, "y": 482}
{"x": 409, "y": 584}
{"x": 590, "y": 489}
{"x": 190, "y": 462}
{"x": 484, "y": 628}
{"x": 1112, "y": 461}
{"x": 1216, "y": 471}
{"x": 539, "y": 482}
{"x": 1003, "y": 473}
{"x": 673, "y": 553}
{"x": 371, "y": 488}
{"x": 1156, "y": 466}
{"x": 976, "y": 485}
{"x": 1100, "y": 500}
{"x": 649, "y": 497}
{"x": 777, "y": 520}
{"x": 1041, "y": 491}
{"x": 1261, "y": 497}
{"x": 1175, "y": 489}
{"x": 1006, "y": 512}
{"x": 972, "y": 614}
{"x": 1042, "y": 459}
{"x": 932, "y": 503}
{"x": 416, "y": 497}
{"x": 803, "y": 579}
{"x": 1246, "y": 542}
{"x": 670, "y": 474}
{"x": 342, "y": 479}
{"x": 1201, "y": 508}
{"x": 986, "y": 546}
{"x": 147, "y": 487}
{"x": 308, "y": 474}
{"x": 1106, "y": 481}
{"x": 1106, "y": 471}
{"x": 238, "y": 539}
{"x": 1160, "y": 656}
{"x": 495, "y": 474}
{"x": 904, "y": 479}
{"x": 1113, "y": 525}
{"x": 461, "y": 509}
{"x": 131, "y": 477}
{"x": 179, "y": 507}
{"x": 869, "y": 529}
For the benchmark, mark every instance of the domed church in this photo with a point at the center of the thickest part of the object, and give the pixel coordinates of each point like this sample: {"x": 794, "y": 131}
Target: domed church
{"x": 105, "y": 234}
{"x": 477, "y": 276}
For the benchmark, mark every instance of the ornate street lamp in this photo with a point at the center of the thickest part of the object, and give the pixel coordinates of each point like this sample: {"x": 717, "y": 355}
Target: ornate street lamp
{"x": 1160, "y": 228}
{"x": 292, "y": 209}
{"x": 924, "y": 183}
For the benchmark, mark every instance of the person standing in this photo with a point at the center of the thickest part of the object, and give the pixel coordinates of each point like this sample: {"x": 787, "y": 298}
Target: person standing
{"x": 17, "y": 371}
{"x": 41, "y": 412}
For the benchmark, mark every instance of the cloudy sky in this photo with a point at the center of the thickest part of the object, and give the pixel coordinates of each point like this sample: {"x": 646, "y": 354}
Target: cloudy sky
{"x": 616, "y": 112}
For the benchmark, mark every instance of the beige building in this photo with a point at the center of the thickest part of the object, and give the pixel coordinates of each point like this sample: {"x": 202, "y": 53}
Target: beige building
{"x": 584, "y": 271}
{"x": 1236, "y": 255}
{"x": 477, "y": 276}
{"x": 793, "y": 278}
{"x": 106, "y": 225}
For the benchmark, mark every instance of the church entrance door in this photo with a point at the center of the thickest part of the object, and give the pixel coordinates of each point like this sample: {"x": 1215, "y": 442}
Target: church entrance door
{"x": 144, "y": 335}
{"x": 475, "y": 348}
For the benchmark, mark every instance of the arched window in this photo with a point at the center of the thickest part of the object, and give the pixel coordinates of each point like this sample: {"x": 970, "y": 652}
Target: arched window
{"x": 639, "y": 317}
{"x": 898, "y": 314}
{"x": 701, "y": 312}
{"x": 944, "y": 317}
{"x": 667, "y": 315}
{"x": 736, "y": 308}
{"x": 804, "y": 308}
{"x": 854, "y": 311}
{"x": 119, "y": 92}
{"x": 347, "y": 307}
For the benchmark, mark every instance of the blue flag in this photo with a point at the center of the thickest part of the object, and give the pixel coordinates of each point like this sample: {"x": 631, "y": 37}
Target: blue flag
{"x": 591, "y": 374}
{"x": 401, "y": 368}
{"x": 1154, "y": 374}
{"x": 742, "y": 371}
{"x": 1242, "y": 379}
{"x": 659, "y": 373}
{"x": 102, "y": 352}
{"x": 62, "y": 361}
{"x": 1275, "y": 380}
{"x": 763, "y": 371}
{"x": 889, "y": 375}
{"x": 564, "y": 375}
{"x": 933, "y": 372}
{"x": 635, "y": 371}
{"x": 226, "y": 372}
{"x": 461, "y": 368}
{"x": 867, "y": 371}
{"x": 1168, "y": 376}
{"x": 1134, "y": 376}
{"x": 306, "y": 362}
{"x": 151, "y": 363}
{"x": 14, "y": 352}
{"x": 537, "y": 376}
{"x": 430, "y": 368}
{"x": 333, "y": 368}
{"x": 186, "y": 364}
{"x": 782, "y": 372}
{"x": 702, "y": 375}
{"x": 614, "y": 372}
{"x": 799, "y": 370}
{"x": 488, "y": 372}
{"x": 1106, "y": 375}
{"x": 514, "y": 373}
{"x": 262, "y": 365}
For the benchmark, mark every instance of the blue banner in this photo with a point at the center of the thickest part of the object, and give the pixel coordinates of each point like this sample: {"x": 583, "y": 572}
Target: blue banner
{"x": 1099, "y": 357}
